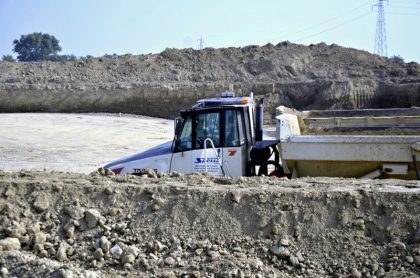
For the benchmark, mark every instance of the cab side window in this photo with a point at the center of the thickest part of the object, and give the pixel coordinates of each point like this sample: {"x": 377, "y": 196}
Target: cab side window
{"x": 231, "y": 129}
{"x": 186, "y": 135}
{"x": 241, "y": 128}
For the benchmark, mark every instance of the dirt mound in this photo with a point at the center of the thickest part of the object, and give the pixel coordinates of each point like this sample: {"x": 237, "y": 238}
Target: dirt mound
{"x": 304, "y": 77}
{"x": 285, "y": 62}
{"x": 65, "y": 225}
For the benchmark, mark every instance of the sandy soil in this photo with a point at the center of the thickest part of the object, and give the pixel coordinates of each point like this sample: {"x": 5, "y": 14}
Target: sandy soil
{"x": 75, "y": 142}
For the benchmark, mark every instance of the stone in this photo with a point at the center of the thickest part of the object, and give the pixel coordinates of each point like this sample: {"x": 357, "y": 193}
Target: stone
{"x": 400, "y": 246}
{"x": 17, "y": 230}
{"x": 293, "y": 261}
{"x": 169, "y": 261}
{"x": 102, "y": 221}
{"x": 285, "y": 242}
{"x": 38, "y": 247}
{"x": 43, "y": 254}
{"x": 355, "y": 273}
{"x": 409, "y": 259}
{"x": 133, "y": 250}
{"x": 128, "y": 266}
{"x": 98, "y": 254}
{"x": 374, "y": 267}
{"x": 33, "y": 228}
{"x": 69, "y": 229}
{"x": 40, "y": 237}
{"x": 417, "y": 260}
{"x": 159, "y": 201}
{"x": 75, "y": 212}
{"x": 61, "y": 254}
{"x": 127, "y": 258}
{"x": 380, "y": 272}
{"x": 300, "y": 257}
{"x": 153, "y": 257}
{"x": 158, "y": 246}
{"x": 280, "y": 252}
{"x": 359, "y": 224}
{"x": 9, "y": 244}
{"x": 120, "y": 226}
{"x": 4, "y": 272}
{"x": 104, "y": 243}
{"x": 108, "y": 191}
{"x": 41, "y": 203}
{"x": 155, "y": 207}
{"x": 70, "y": 251}
{"x": 235, "y": 197}
{"x": 116, "y": 251}
{"x": 92, "y": 217}
{"x": 150, "y": 173}
{"x": 416, "y": 238}
{"x": 214, "y": 255}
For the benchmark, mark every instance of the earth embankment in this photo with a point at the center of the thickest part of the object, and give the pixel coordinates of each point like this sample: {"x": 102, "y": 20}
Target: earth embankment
{"x": 170, "y": 226}
{"x": 303, "y": 77}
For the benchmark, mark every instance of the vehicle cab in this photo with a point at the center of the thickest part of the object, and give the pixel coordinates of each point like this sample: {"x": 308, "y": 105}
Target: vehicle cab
{"x": 214, "y": 136}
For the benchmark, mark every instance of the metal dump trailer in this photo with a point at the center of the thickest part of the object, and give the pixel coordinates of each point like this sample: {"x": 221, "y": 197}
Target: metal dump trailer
{"x": 357, "y": 156}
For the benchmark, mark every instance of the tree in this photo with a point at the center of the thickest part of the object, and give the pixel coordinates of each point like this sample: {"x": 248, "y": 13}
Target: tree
{"x": 8, "y": 58}
{"x": 36, "y": 47}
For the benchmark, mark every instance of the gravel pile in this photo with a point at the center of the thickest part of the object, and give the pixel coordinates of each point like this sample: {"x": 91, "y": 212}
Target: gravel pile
{"x": 100, "y": 225}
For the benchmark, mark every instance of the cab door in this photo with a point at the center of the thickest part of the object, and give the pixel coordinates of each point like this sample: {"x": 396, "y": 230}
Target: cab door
{"x": 234, "y": 151}
{"x": 191, "y": 153}
{"x": 207, "y": 155}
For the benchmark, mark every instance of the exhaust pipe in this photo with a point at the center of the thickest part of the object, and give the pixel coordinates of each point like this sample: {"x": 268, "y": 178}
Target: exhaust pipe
{"x": 259, "y": 116}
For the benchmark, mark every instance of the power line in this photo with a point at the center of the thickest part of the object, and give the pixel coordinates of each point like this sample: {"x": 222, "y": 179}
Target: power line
{"x": 380, "y": 36}
{"x": 406, "y": 2}
{"x": 334, "y": 27}
{"x": 405, "y": 7}
{"x": 325, "y": 21}
{"x": 392, "y": 13}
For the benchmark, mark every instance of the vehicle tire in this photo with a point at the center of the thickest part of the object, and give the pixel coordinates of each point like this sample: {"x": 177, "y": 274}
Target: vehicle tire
{"x": 277, "y": 172}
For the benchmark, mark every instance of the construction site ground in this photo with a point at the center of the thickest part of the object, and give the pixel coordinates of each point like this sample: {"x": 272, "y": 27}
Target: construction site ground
{"x": 62, "y": 218}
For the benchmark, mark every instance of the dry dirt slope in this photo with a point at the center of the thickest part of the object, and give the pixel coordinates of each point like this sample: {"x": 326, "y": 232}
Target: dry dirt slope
{"x": 72, "y": 225}
{"x": 304, "y": 77}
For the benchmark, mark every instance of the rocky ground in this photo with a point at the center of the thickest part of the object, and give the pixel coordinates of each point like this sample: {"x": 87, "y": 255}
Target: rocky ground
{"x": 99, "y": 225}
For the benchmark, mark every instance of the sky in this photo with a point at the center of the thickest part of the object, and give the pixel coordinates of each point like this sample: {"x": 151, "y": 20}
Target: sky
{"x": 98, "y": 27}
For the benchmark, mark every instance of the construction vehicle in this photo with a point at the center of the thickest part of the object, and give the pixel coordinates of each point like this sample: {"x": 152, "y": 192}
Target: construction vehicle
{"x": 221, "y": 136}
{"x": 224, "y": 136}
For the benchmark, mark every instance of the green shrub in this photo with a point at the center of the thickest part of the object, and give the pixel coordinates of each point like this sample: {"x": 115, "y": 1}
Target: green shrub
{"x": 8, "y": 58}
{"x": 172, "y": 54}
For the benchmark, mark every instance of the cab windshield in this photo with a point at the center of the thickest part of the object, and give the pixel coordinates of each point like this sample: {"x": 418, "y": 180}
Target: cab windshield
{"x": 224, "y": 128}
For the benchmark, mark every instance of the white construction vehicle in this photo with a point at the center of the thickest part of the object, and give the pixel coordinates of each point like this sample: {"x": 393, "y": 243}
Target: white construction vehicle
{"x": 221, "y": 136}
{"x": 224, "y": 136}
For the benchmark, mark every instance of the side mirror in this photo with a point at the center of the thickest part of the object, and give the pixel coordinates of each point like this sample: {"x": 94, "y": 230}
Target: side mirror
{"x": 177, "y": 128}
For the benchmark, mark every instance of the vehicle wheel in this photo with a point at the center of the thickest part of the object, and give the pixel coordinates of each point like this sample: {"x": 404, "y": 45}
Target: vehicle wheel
{"x": 277, "y": 172}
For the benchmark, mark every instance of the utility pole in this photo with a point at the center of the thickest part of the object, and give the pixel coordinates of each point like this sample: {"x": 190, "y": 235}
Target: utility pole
{"x": 201, "y": 43}
{"x": 380, "y": 37}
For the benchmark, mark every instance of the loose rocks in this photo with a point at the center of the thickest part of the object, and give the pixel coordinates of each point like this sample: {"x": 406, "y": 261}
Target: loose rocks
{"x": 92, "y": 217}
{"x": 9, "y": 244}
{"x": 201, "y": 231}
